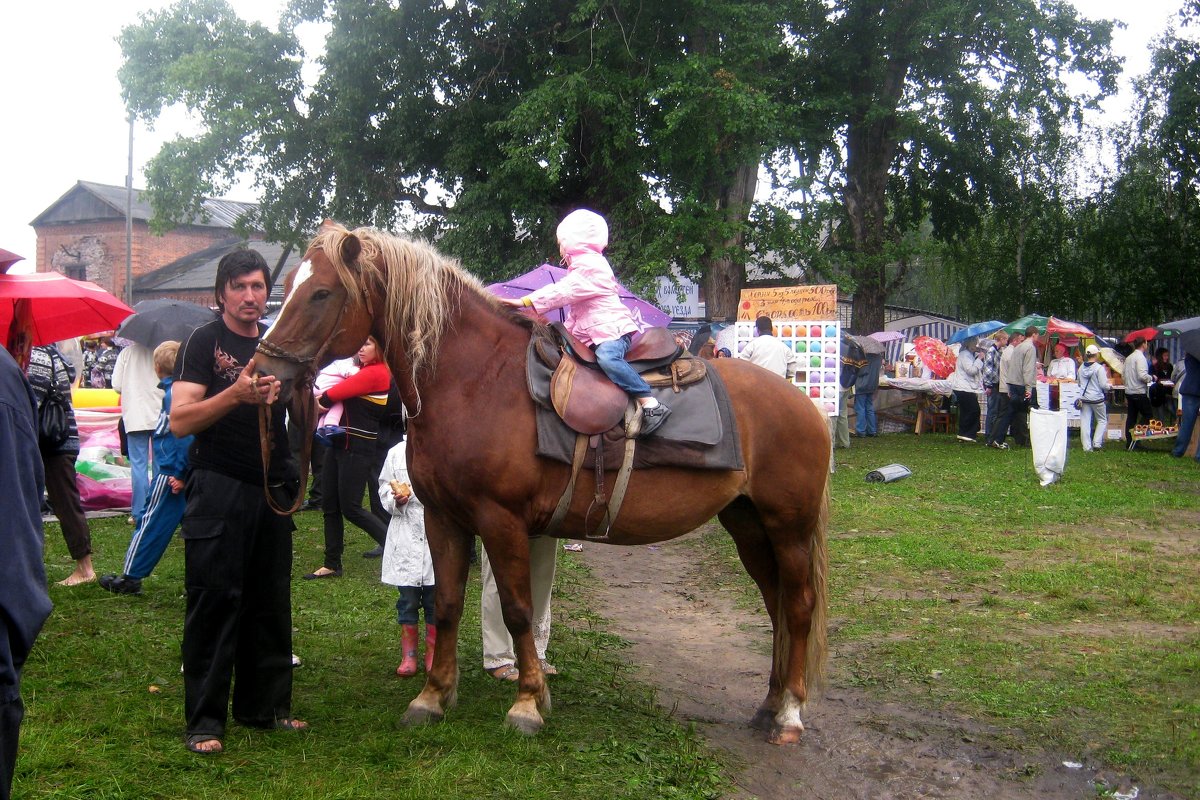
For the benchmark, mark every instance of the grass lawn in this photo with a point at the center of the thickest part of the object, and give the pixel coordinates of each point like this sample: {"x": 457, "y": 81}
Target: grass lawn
{"x": 1070, "y": 613}
{"x": 104, "y": 702}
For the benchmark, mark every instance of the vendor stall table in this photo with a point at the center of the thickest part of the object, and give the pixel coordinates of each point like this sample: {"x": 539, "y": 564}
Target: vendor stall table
{"x": 1134, "y": 438}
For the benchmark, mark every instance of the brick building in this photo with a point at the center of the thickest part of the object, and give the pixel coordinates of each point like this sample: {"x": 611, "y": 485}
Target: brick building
{"x": 82, "y": 235}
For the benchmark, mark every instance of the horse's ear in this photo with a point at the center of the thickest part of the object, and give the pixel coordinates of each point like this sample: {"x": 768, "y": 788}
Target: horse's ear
{"x": 329, "y": 225}
{"x": 350, "y": 248}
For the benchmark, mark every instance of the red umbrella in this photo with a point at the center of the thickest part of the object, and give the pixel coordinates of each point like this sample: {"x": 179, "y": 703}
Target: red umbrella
{"x": 936, "y": 355}
{"x": 1145, "y": 333}
{"x": 57, "y": 307}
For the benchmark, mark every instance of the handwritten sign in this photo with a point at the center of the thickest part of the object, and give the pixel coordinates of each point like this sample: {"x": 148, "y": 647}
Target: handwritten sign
{"x": 789, "y": 302}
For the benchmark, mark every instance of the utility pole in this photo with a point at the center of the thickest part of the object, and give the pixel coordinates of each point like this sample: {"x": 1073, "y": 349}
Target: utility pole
{"x": 129, "y": 220}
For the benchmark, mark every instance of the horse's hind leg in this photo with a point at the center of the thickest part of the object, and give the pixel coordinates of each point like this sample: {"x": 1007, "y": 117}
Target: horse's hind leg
{"x": 773, "y": 550}
{"x": 449, "y": 548}
{"x": 754, "y": 549}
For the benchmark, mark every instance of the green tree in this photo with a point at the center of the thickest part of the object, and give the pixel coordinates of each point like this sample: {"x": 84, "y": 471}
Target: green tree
{"x": 932, "y": 102}
{"x": 480, "y": 125}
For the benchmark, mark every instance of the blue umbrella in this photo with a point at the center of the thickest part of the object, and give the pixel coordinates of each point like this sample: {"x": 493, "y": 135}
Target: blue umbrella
{"x": 974, "y": 330}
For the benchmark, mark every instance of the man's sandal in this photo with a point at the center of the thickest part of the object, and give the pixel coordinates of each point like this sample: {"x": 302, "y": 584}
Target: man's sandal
{"x": 290, "y": 725}
{"x": 193, "y": 741}
{"x": 505, "y": 672}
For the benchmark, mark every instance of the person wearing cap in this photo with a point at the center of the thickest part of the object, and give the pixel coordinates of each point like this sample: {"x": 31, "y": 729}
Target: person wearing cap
{"x": 1093, "y": 415}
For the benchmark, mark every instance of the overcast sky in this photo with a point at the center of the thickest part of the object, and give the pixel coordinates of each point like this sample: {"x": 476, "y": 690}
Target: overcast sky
{"x": 64, "y": 119}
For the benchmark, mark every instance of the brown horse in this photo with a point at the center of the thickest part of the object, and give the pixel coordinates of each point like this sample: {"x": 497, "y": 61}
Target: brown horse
{"x": 459, "y": 359}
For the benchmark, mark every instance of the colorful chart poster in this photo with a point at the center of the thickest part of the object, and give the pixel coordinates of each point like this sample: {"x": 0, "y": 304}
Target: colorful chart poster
{"x": 817, "y": 345}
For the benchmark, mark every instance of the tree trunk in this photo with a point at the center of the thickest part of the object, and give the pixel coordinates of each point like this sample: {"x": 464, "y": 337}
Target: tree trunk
{"x": 723, "y": 276}
{"x": 1021, "y": 311}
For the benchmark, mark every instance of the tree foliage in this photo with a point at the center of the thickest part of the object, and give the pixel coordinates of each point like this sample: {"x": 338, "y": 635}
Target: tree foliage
{"x": 480, "y": 124}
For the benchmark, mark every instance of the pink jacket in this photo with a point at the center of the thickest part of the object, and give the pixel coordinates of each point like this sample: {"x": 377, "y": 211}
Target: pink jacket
{"x": 596, "y": 312}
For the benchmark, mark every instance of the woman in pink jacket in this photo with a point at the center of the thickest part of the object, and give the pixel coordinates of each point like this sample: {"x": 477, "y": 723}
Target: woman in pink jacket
{"x": 597, "y": 317}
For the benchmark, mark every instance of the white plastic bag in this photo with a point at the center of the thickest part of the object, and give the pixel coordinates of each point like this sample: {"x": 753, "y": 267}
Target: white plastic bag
{"x": 1048, "y": 438}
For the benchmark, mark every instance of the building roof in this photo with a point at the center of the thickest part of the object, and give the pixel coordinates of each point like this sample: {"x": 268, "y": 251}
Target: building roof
{"x": 87, "y": 201}
{"x": 198, "y": 271}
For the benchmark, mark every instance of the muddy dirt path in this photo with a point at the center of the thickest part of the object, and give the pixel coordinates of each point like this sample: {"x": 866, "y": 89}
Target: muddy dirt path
{"x": 710, "y": 664}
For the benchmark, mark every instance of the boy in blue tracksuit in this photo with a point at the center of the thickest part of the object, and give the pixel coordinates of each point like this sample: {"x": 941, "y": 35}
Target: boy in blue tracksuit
{"x": 166, "y": 502}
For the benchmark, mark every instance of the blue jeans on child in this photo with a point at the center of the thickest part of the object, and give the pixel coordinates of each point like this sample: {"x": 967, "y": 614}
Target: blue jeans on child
{"x": 411, "y": 598}
{"x": 610, "y": 356}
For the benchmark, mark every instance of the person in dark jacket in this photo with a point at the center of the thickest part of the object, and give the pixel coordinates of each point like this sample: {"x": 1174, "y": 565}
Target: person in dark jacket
{"x": 24, "y": 603}
{"x": 47, "y": 368}
{"x": 853, "y": 360}
{"x": 866, "y": 383}
{"x": 1189, "y": 392}
{"x": 350, "y": 459}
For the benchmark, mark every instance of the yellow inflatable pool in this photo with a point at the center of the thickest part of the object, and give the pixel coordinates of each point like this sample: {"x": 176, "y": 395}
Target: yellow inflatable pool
{"x": 94, "y": 398}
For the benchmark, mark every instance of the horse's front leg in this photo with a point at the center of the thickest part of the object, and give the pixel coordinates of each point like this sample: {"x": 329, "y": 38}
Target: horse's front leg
{"x": 449, "y": 548}
{"x": 508, "y": 555}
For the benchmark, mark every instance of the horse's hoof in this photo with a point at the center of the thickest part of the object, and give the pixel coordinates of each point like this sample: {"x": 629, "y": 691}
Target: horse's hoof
{"x": 763, "y": 720}
{"x": 789, "y": 735}
{"x": 421, "y": 714}
{"x": 526, "y": 724}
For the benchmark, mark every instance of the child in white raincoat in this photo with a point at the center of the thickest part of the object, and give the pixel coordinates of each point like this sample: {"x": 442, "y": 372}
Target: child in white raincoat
{"x": 407, "y": 564}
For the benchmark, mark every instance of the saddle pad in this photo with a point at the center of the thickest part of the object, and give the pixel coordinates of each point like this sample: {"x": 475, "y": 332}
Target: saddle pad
{"x": 701, "y": 432}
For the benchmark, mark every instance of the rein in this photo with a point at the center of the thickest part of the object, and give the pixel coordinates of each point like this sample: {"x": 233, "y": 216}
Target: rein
{"x": 304, "y": 412}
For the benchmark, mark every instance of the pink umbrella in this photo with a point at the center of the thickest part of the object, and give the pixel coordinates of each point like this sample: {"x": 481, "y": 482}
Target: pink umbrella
{"x": 647, "y": 315}
{"x": 886, "y": 336}
{"x": 935, "y": 355}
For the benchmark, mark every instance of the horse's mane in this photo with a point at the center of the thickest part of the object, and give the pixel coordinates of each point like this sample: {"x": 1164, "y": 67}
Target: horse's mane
{"x": 421, "y": 289}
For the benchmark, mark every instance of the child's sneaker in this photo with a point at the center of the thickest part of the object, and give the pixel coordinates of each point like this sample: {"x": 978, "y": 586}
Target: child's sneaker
{"x": 653, "y": 418}
{"x": 121, "y": 584}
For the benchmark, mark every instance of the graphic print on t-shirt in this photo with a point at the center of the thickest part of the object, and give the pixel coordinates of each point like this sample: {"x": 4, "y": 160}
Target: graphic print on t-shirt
{"x": 225, "y": 365}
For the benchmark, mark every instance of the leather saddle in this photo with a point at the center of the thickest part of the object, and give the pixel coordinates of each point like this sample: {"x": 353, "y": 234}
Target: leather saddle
{"x": 584, "y": 397}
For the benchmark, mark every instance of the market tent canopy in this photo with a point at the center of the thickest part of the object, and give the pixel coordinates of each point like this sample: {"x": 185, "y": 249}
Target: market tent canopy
{"x": 57, "y": 307}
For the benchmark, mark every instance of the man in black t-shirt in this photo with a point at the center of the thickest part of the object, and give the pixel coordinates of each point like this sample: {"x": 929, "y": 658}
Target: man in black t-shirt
{"x": 237, "y": 551}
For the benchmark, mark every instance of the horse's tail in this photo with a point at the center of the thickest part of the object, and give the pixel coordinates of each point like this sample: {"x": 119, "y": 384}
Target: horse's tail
{"x": 817, "y": 650}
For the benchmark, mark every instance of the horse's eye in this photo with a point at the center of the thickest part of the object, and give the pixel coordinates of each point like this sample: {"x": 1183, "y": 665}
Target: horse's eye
{"x": 321, "y": 294}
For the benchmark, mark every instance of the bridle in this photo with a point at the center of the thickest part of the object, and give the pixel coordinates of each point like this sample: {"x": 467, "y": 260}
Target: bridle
{"x": 305, "y": 411}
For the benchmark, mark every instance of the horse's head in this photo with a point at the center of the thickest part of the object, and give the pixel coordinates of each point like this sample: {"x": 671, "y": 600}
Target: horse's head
{"x": 326, "y": 312}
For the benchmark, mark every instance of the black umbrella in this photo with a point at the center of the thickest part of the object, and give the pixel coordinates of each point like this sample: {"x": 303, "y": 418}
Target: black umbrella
{"x": 1190, "y": 342}
{"x": 157, "y": 321}
{"x": 869, "y": 346}
{"x": 1179, "y": 327}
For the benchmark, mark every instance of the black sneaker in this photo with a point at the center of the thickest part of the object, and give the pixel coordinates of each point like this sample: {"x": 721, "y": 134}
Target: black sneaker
{"x": 653, "y": 418}
{"x": 121, "y": 584}
{"x": 376, "y": 553}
